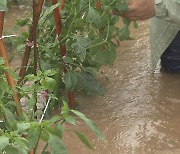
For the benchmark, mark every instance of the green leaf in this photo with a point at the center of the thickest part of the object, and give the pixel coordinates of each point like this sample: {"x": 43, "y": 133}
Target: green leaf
{"x": 25, "y": 116}
{"x": 9, "y": 116}
{"x": 4, "y": 141}
{"x": 22, "y": 22}
{"x": 32, "y": 137}
{"x": 93, "y": 16}
{"x": 50, "y": 72}
{"x": 121, "y": 6}
{"x": 38, "y": 113}
{"x": 83, "y": 139}
{"x": 90, "y": 124}
{"x": 59, "y": 129}
{"x": 48, "y": 12}
{"x": 79, "y": 114}
{"x": 4, "y": 85}
{"x": 114, "y": 20}
{"x": 80, "y": 47}
{"x": 52, "y": 131}
{"x": 90, "y": 70}
{"x": 3, "y": 5}
{"x": 68, "y": 60}
{"x": 22, "y": 127}
{"x": 124, "y": 33}
{"x": 100, "y": 57}
{"x": 46, "y": 152}
{"x": 45, "y": 64}
{"x": 65, "y": 109}
{"x": 135, "y": 24}
{"x": 54, "y": 119}
{"x": 71, "y": 120}
{"x": 48, "y": 82}
{"x": 20, "y": 47}
{"x": 94, "y": 128}
{"x": 107, "y": 55}
{"x": 111, "y": 55}
{"x": 15, "y": 150}
{"x": 83, "y": 3}
{"x": 56, "y": 145}
{"x": 31, "y": 102}
{"x": 1, "y": 61}
{"x": 12, "y": 73}
{"x": 70, "y": 80}
{"x": 89, "y": 83}
{"x": 12, "y": 103}
{"x": 21, "y": 142}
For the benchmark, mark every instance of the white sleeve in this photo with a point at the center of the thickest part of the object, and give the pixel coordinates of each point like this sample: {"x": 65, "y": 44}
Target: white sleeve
{"x": 168, "y": 10}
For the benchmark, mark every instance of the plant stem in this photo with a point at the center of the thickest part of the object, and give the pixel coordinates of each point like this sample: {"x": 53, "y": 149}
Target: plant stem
{"x": 95, "y": 45}
{"x": 100, "y": 43}
{"x": 40, "y": 132}
{"x": 45, "y": 148}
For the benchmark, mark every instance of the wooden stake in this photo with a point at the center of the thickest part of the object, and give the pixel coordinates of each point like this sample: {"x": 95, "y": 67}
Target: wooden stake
{"x": 30, "y": 38}
{"x": 10, "y": 79}
{"x": 1, "y": 22}
{"x": 98, "y": 4}
{"x": 57, "y": 17}
{"x": 61, "y": 7}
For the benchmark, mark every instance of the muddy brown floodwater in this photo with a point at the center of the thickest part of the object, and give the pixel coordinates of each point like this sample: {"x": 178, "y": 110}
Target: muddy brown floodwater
{"x": 140, "y": 112}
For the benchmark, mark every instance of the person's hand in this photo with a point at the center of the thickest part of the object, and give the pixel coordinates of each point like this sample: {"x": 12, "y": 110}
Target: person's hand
{"x": 139, "y": 10}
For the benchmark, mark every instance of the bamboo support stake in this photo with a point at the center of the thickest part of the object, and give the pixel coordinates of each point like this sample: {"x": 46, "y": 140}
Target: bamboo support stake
{"x": 10, "y": 79}
{"x": 71, "y": 99}
{"x": 30, "y": 38}
{"x": 57, "y": 17}
{"x": 34, "y": 38}
{"x": 35, "y": 24}
{"x": 61, "y": 7}
{"x": 1, "y": 22}
{"x": 98, "y": 4}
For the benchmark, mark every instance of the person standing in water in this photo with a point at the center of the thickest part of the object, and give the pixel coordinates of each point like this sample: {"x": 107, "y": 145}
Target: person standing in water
{"x": 164, "y": 29}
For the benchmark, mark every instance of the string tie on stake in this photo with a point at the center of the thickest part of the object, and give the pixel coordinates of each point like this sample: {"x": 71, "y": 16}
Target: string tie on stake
{"x": 31, "y": 44}
{"x": 7, "y": 36}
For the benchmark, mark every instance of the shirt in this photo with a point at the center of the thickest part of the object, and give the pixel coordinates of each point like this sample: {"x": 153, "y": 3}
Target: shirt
{"x": 164, "y": 27}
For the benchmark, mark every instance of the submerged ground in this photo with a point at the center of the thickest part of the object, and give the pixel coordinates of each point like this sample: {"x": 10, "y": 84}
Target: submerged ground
{"x": 140, "y": 112}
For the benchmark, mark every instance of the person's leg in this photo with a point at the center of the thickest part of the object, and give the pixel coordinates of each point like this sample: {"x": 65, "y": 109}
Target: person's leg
{"x": 170, "y": 59}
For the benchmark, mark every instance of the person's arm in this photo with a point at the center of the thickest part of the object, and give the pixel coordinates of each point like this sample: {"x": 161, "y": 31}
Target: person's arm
{"x": 139, "y": 10}
{"x": 145, "y": 9}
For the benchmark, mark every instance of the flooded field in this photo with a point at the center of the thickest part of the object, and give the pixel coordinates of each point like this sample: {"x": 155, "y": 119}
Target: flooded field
{"x": 140, "y": 112}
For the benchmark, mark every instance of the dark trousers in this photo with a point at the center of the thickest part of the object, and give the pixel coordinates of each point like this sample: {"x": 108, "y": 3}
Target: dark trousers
{"x": 170, "y": 59}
